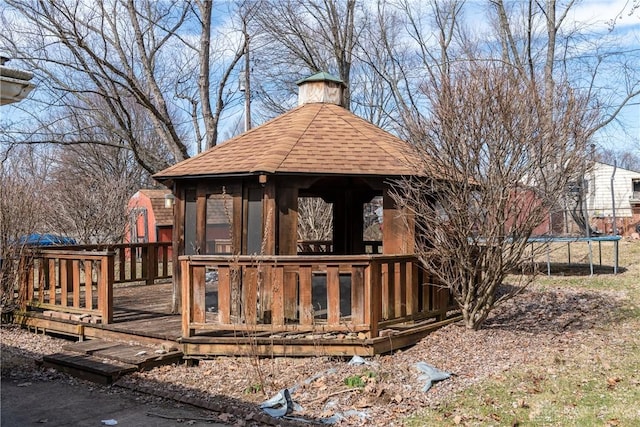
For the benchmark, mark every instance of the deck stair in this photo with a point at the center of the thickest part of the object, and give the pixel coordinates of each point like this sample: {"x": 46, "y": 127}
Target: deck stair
{"x": 105, "y": 361}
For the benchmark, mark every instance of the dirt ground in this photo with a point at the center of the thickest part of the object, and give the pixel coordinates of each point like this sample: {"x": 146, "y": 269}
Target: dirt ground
{"x": 381, "y": 392}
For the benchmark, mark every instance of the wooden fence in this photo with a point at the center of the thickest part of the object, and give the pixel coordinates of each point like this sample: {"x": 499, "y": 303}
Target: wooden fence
{"x": 360, "y": 293}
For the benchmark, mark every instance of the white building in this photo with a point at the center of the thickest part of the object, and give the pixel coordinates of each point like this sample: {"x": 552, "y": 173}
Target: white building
{"x": 625, "y": 197}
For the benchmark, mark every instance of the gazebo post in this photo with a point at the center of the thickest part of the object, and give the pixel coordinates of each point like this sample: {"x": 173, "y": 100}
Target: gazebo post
{"x": 397, "y": 236}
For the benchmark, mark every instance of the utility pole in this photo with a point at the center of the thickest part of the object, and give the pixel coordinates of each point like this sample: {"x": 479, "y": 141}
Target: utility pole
{"x": 247, "y": 79}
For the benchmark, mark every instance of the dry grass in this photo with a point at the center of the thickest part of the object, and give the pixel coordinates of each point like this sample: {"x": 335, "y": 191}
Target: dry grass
{"x": 591, "y": 382}
{"x": 564, "y": 352}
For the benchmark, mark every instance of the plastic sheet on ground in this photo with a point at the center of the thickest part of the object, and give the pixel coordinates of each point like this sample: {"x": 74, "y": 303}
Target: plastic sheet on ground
{"x": 346, "y": 414}
{"x": 357, "y": 360}
{"x": 430, "y": 374}
{"x": 280, "y": 405}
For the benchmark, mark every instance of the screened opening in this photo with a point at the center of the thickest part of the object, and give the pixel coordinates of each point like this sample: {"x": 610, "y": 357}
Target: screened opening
{"x": 372, "y": 229}
{"x": 219, "y": 224}
{"x": 315, "y": 225}
{"x": 190, "y": 245}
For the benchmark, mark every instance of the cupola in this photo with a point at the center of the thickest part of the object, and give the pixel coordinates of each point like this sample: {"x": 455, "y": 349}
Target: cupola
{"x": 320, "y": 88}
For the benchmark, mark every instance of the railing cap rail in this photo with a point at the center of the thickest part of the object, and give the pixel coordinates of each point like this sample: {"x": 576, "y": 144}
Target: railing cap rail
{"x": 295, "y": 259}
{"x": 67, "y": 253}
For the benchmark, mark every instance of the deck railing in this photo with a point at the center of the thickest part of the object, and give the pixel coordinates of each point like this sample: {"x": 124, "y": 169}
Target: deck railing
{"x": 360, "y": 293}
{"x": 306, "y": 247}
{"x": 136, "y": 261}
{"x": 74, "y": 282}
{"x": 79, "y": 279}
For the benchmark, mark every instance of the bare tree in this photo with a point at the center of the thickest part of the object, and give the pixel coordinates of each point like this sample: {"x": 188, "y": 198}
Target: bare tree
{"x": 23, "y": 176}
{"x": 105, "y": 57}
{"x": 534, "y": 30}
{"x": 315, "y": 219}
{"x": 496, "y": 167}
{"x": 626, "y": 159}
{"x": 301, "y": 37}
{"x": 88, "y": 190}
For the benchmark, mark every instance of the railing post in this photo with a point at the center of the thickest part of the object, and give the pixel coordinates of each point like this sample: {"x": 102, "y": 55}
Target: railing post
{"x": 373, "y": 297}
{"x": 186, "y": 297}
{"x": 198, "y": 294}
{"x": 165, "y": 259}
{"x": 278, "y": 295}
{"x": 25, "y": 282}
{"x": 412, "y": 286}
{"x": 144, "y": 259}
{"x": 122, "y": 263}
{"x": 357, "y": 295}
{"x": 224, "y": 294}
{"x": 333, "y": 295}
{"x": 305, "y": 290}
{"x": 105, "y": 288}
{"x": 401, "y": 285}
{"x": 152, "y": 269}
{"x": 133, "y": 262}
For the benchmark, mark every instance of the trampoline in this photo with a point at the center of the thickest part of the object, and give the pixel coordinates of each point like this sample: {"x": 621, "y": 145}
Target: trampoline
{"x": 547, "y": 240}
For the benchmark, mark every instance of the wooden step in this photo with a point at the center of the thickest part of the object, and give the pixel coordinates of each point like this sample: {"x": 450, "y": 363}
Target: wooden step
{"x": 88, "y": 367}
{"x": 106, "y": 361}
{"x": 143, "y": 357}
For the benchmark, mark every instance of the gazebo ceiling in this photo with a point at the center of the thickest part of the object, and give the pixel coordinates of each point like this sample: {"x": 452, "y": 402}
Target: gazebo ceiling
{"x": 315, "y": 138}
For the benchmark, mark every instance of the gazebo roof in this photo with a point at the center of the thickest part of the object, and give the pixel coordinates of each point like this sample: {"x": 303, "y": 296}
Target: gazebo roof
{"x": 315, "y": 138}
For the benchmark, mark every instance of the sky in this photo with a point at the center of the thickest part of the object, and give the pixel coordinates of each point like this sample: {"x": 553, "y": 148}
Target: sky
{"x": 597, "y": 16}
{"x": 625, "y": 133}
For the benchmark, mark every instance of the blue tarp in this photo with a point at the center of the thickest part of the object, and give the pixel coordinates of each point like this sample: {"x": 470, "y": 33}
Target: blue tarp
{"x": 36, "y": 239}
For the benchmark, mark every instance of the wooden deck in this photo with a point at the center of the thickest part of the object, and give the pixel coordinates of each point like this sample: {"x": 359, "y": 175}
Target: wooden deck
{"x": 272, "y": 306}
{"x": 142, "y": 314}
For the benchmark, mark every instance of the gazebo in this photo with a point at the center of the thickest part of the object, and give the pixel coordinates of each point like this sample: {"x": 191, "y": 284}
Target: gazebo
{"x": 240, "y": 268}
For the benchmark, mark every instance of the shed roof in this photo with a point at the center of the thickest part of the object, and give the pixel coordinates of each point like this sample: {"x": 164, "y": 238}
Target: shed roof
{"x": 315, "y": 138}
{"x": 164, "y": 215}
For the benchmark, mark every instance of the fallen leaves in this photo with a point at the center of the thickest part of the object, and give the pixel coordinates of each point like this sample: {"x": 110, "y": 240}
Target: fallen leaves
{"x": 612, "y": 382}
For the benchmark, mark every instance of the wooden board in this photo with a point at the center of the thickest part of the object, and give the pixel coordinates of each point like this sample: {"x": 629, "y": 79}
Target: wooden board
{"x": 89, "y": 346}
{"x": 88, "y": 367}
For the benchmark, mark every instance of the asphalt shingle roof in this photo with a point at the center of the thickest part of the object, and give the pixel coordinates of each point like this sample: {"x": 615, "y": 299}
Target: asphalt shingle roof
{"x": 315, "y": 138}
{"x": 164, "y": 216}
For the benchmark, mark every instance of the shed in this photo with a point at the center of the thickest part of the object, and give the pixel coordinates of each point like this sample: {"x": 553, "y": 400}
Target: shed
{"x": 150, "y": 216}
